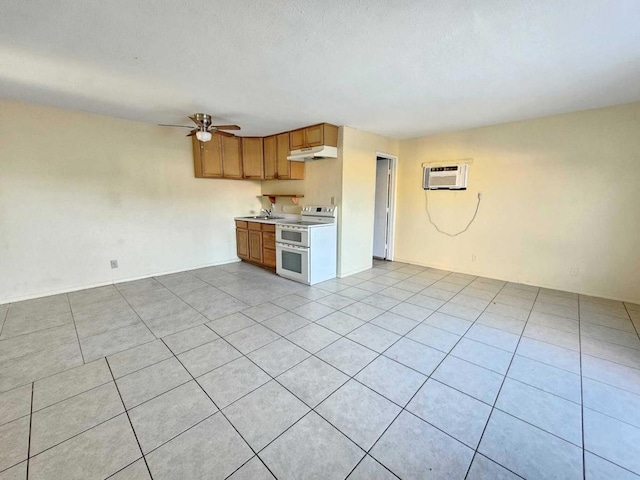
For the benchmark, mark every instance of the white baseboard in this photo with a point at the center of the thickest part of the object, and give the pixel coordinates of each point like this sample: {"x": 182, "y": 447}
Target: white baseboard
{"x": 76, "y": 288}
{"x": 353, "y": 272}
{"x": 523, "y": 282}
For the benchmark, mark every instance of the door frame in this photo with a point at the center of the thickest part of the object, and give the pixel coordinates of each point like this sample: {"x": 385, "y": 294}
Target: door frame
{"x": 391, "y": 220}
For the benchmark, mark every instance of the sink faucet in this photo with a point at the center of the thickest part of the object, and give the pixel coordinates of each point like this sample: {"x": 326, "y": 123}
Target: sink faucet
{"x": 267, "y": 212}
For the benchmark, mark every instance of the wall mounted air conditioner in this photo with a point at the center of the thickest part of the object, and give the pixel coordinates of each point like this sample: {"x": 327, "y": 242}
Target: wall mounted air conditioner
{"x": 445, "y": 177}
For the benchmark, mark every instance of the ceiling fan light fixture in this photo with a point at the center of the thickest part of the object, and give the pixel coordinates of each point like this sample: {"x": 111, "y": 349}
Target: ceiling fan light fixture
{"x": 203, "y": 136}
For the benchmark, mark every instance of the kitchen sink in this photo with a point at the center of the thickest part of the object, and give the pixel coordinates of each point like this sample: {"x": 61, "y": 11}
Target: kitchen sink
{"x": 263, "y": 217}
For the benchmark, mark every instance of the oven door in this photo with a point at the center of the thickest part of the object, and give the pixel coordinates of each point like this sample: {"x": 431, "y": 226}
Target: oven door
{"x": 293, "y": 262}
{"x": 292, "y": 235}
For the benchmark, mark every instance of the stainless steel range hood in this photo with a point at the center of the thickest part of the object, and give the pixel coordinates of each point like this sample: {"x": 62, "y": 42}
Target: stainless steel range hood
{"x": 313, "y": 153}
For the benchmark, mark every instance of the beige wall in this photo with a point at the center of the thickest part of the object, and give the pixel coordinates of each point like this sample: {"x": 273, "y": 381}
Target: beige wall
{"x": 358, "y": 197}
{"x": 78, "y": 190}
{"x": 560, "y": 193}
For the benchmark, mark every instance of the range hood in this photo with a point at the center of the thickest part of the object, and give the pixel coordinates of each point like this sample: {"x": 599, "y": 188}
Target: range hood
{"x": 313, "y": 153}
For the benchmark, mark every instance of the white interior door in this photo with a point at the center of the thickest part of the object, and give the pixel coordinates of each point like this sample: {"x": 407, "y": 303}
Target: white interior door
{"x": 381, "y": 217}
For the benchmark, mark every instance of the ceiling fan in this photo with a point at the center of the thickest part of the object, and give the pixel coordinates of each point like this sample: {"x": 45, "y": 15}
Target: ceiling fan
{"x": 204, "y": 129}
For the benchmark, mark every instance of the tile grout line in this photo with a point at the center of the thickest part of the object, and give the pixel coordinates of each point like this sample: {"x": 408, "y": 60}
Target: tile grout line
{"x": 30, "y": 427}
{"x": 329, "y": 364}
{"x": 77, "y": 434}
{"x": 584, "y": 465}
{"x": 278, "y": 382}
{"x": 387, "y": 310}
{"x": 403, "y": 408}
{"x": 4, "y": 318}
{"x": 222, "y": 413}
{"x": 631, "y": 320}
{"x": 128, "y": 418}
{"x": 340, "y": 336}
{"x": 75, "y": 327}
{"x": 493, "y": 407}
{"x": 134, "y": 310}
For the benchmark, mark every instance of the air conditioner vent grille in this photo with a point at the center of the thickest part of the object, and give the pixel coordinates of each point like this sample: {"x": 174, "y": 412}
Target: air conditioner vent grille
{"x": 451, "y": 177}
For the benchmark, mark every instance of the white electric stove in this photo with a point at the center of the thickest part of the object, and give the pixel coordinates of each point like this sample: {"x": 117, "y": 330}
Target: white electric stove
{"x": 306, "y": 249}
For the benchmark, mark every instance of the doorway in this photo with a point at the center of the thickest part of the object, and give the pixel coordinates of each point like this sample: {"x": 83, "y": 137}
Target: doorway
{"x": 383, "y": 209}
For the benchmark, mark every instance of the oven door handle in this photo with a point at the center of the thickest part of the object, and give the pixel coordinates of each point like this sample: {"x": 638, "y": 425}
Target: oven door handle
{"x": 286, "y": 246}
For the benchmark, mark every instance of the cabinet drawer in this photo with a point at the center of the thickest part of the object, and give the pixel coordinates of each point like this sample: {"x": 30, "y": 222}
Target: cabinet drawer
{"x": 241, "y": 224}
{"x": 269, "y": 240}
{"x": 269, "y": 257}
{"x": 254, "y": 225}
{"x": 267, "y": 227}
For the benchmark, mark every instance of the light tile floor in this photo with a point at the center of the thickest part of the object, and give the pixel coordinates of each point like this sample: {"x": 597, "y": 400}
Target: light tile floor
{"x": 398, "y": 371}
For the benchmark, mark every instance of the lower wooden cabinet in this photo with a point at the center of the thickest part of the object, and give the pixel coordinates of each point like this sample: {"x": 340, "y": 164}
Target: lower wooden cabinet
{"x": 256, "y": 243}
{"x": 242, "y": 243}
{"x": 255, "y": 246}
{"x": 269, "y": 257}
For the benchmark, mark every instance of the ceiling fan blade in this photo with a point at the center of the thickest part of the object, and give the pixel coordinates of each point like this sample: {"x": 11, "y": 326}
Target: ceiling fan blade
{"x": 224, "y": 134}
{"x": 226, "y": 127}
{"x": 195, "y": 120}
{"x": 192, "y": 133}
{"x": 179, "y": 126}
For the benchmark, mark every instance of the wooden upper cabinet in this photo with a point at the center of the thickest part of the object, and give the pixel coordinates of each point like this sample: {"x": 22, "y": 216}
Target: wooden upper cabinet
{"x": 232, "y": 157}
{"x": 207, "y": 157}
{"x": 287, "y": 170}
{"x": 283, "y": 168}
{"x": 296, "y": 139}
{"x": 270, "y": 157}
{"x": 314, "y": 136}
{"x": 257, "y": 158}
{"x": 252, "y": 158}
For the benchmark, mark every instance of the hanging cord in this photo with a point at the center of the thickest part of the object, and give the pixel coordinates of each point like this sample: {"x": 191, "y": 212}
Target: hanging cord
{"x": 426, "y": 196}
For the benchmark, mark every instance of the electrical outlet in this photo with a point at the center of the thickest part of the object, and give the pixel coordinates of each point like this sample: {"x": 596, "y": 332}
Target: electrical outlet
{"x": 473, "y": 257}
{"x": 114, "y": 263}
{"x": 333, "y": 200}
{"x": 575, "y": 271}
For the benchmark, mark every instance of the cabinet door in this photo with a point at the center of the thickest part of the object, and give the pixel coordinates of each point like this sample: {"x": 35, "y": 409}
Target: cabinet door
{"x": 231, "y": 157}
{"x": 269, "y": 257}
{"x": 252, "y": 158}
{"x": 296, "y": 139}
{"x": 197, "y": 157}
{"x": 314, "y": 136}
{"x": 284, "y": 165}
{"x": 242, "y": 243}
{"x": 269, "y": 240}
{"x": 296, "y": 170}
{"x": 207, "y": 157}
{"x": 270, "y": 157}
{"x": 330, "y": 135}
{"x": 212, "y": 157}
{"x": 255, "y": 246}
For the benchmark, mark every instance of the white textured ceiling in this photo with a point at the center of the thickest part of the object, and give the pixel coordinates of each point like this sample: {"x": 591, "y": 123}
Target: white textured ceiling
{"x": 398, "y": 68}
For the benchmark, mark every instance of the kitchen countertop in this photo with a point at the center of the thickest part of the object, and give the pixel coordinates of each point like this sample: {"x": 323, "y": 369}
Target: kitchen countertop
{"x": 273, "y": 221}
